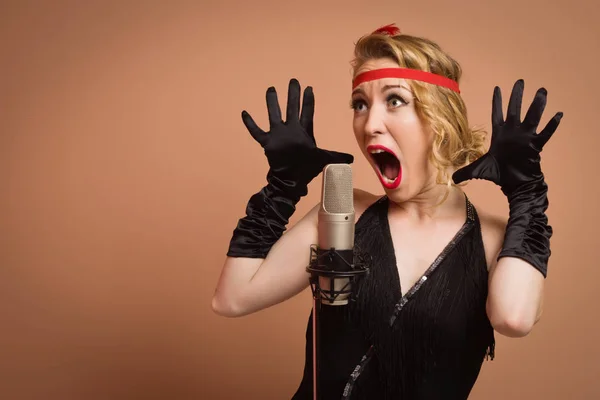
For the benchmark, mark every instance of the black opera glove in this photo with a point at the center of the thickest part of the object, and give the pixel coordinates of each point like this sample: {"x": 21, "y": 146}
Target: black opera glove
{"x": 513, "y": 163}
{"x": 294, "y": 161}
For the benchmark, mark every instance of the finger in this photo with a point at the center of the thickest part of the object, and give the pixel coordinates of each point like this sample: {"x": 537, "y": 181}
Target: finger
{"x": 536, "y": 109}
{"x": 497, "y": 113}
{"x": 335, "y": 157}
{"x": 483, "y": 168}
{"x": 514, "y": 104}
{"x": 273, "y": 106}
{"x": 462, "y": 174}
{"x": 258, "y": 134}
{"x": 542, "y": 138}
{"x": 308, "y": 110}
{"x": 326, "y": 157}
{"x": 293, "y": 101}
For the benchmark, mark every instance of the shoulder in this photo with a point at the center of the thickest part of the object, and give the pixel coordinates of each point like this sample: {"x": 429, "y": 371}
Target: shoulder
{"x": 363, "y": 200}
{"x": 492, "y": 232}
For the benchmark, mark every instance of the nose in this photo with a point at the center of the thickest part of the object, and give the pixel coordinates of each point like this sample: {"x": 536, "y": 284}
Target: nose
{"x": 374, "y": 124}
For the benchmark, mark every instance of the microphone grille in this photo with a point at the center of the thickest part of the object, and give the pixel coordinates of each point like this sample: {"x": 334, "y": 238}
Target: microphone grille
{"x": 338, "y": 195}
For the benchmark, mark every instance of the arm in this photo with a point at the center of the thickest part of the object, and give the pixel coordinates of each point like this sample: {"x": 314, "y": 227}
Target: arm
{"x": 520, "y": 266}
{"x": 516, "y": 288}
{"x": 247, "y": 285}
{"x": 264, "y": 266}
{"x": 515, "y": 297}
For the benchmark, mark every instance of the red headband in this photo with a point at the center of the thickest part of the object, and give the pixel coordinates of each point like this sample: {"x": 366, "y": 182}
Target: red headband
{"x": 406, "y": 73}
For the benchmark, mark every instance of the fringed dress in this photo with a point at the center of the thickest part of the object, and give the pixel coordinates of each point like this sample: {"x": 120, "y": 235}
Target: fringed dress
{"x": 428, "y": 344}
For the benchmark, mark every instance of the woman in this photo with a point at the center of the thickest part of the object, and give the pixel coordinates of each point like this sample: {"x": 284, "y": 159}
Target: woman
{"x": 443, "y": 277}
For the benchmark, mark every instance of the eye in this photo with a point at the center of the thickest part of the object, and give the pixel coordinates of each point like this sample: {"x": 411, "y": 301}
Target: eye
{"x": 358, "y": 105}
{"x": 395, "y": 101}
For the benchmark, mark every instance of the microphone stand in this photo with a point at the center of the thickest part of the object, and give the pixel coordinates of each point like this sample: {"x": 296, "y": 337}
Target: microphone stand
{"x": 316, "y": 381}
{"x": 329, "y": 266}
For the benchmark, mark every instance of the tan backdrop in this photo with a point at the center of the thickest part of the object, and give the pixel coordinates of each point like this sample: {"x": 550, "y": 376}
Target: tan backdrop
{"x": 124, "y": 166}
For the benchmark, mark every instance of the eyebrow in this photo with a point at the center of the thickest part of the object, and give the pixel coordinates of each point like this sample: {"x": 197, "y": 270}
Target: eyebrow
{"x": 383, "y": 89}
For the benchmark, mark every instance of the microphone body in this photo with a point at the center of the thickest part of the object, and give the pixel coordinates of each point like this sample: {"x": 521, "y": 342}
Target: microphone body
{"x": 336, "y": 233}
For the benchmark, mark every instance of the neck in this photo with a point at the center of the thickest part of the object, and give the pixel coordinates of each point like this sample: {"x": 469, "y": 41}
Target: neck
{"x": 428, "y": 204}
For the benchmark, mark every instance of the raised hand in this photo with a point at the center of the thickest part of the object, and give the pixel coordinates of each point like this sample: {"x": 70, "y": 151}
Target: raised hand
{"x": 294, "y": 161}
{"x": 290, "y": 145}
{"x": 514, "y": 155}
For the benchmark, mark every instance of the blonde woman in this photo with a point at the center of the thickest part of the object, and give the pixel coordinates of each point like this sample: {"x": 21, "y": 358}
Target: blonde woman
{"x": 444, "y": 276}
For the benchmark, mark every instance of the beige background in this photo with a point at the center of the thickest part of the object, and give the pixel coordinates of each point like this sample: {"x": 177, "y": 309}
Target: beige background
{"x": 124, "y": 166}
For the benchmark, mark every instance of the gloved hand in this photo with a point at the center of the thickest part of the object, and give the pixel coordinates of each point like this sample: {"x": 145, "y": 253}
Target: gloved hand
{"x": 513, "y": 163}
{"x": 290, "y": 146}
{"x": 294, "y": 161}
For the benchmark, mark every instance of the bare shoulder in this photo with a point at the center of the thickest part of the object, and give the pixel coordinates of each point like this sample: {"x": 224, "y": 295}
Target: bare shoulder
{"x": 492, "y": 232}
{"x": 362, "y": 201}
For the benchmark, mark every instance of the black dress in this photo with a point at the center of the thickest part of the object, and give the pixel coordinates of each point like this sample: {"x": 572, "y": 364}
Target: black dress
{"x": 426, "y": 345}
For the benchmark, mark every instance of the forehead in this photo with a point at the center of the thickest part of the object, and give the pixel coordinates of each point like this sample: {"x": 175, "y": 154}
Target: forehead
{"x": 379, "y": 85}
{"x": 378, "y": 63}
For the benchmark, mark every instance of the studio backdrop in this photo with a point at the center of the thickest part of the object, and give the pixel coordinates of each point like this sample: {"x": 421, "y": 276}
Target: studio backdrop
{"x": 125, "y": 165}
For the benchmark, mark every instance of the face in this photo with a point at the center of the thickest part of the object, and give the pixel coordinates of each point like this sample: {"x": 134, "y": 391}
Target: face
{"x": 391, "y": 135}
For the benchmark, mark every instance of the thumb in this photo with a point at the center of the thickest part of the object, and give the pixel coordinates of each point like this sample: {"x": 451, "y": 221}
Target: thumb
{"x": 483, "y": 168}
{"x": 334, "y": 157}
{"x": 258, "y": 134}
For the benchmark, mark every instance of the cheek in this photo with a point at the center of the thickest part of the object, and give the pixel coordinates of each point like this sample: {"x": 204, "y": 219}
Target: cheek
{"x": 358, "y": 128}
{"x": 360, "y": 136}
{"x": 415, "y": 147}
{"x": 411, "y": 138}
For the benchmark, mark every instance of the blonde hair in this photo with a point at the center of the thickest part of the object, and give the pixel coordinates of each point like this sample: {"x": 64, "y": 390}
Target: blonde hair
{"x": 456, "y": 144}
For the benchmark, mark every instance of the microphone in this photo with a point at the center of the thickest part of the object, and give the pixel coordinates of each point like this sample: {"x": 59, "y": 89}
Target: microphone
{"x": 334, "y": 264}
{"x": 334, "y": 261}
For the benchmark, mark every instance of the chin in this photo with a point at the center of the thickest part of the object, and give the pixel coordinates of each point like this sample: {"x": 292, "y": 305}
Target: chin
{"x": 398, "y": 195}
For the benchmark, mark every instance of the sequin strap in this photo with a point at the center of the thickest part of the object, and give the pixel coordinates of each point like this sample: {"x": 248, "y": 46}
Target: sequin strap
{"x": 356, "y": 373}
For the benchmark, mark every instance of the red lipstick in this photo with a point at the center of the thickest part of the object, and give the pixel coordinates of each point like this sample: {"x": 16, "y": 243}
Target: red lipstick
{"x": 384, "y": 180}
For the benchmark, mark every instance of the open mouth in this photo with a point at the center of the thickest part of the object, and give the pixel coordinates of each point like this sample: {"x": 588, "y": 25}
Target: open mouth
{"x": 389, "y": 168}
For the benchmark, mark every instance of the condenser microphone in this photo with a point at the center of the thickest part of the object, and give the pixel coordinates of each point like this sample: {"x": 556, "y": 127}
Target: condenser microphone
{"x": 336, "y": 232}
{"x": 333, "y": 264}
